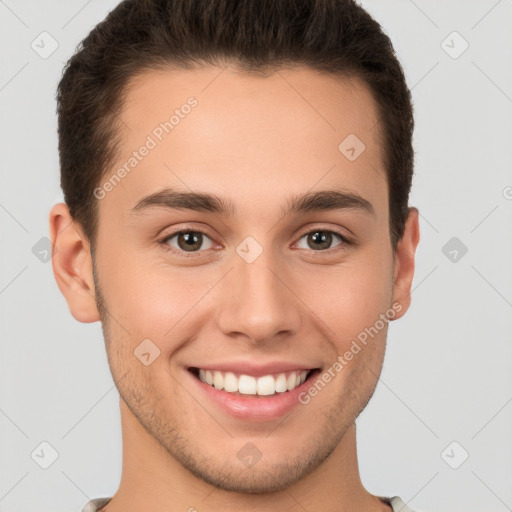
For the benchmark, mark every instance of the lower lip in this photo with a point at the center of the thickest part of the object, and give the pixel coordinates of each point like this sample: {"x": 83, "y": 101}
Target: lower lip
{"x": 255, "y": 408}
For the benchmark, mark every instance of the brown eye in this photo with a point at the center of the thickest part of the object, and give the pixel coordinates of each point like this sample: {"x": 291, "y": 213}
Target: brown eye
{"x": 320, "y": 240}
{"x": 188, "y": 241}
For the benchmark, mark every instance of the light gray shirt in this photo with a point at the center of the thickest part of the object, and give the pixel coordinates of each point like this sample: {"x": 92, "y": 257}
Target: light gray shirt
{"x": 396, "y": 503}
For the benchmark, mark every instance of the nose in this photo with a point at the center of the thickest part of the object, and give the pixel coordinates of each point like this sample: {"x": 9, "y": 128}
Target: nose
{"x": 257, "y": 301}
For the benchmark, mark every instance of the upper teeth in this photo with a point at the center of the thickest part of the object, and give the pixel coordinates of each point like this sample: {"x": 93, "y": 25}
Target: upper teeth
{"x": 248, "y": 385}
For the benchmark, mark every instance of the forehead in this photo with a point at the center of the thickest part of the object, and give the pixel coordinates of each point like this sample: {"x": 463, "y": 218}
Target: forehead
{"x": 222, "y": 129}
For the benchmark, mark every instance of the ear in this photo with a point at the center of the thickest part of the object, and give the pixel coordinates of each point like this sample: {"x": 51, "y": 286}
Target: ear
{"x": 72, "y": 264}
{"x": 404, "y": 262}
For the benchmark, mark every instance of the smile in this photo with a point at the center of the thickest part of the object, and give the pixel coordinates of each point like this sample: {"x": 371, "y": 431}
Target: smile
{"x": 251, "y": 392}
{"x": 243, "y": 384}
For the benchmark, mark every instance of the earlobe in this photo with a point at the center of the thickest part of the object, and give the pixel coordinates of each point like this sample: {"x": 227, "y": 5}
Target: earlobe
{"x": 72, "y": 264}
{"x": 404, "y": 262}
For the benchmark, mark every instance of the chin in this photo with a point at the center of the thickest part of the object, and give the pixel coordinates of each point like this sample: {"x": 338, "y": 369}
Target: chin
{"x": 251, "y": 480}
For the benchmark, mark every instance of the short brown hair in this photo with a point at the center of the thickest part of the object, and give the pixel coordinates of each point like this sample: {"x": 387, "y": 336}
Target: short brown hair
{"x": 334, "y": 36}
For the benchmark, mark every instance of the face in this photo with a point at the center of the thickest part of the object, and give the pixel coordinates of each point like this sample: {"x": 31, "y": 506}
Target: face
{"x": 284, "y": 268}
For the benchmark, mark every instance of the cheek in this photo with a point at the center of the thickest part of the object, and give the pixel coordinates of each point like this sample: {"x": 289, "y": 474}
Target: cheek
{"x": 150, "y": 301}
{"x": 350, "y": 298}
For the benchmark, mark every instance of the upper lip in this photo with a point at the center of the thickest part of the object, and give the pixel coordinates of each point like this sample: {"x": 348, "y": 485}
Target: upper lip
{"x": 253, "y": 368}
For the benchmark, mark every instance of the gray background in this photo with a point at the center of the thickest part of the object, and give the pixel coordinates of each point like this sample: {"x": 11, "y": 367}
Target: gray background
{"x": 446, "y": 375}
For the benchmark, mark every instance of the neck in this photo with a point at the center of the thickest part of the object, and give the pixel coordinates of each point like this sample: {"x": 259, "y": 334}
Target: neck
{"x": 153, "y": 480}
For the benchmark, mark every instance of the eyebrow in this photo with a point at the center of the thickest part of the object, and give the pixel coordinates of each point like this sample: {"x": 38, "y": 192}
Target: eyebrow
{"x": 325, "y": 200}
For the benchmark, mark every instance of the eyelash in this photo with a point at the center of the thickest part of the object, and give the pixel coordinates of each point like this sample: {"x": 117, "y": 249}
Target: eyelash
{"x": 345, "y": 241}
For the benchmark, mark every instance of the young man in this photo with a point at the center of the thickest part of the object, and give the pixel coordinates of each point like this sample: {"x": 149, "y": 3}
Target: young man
{"x": 236, "y": 178}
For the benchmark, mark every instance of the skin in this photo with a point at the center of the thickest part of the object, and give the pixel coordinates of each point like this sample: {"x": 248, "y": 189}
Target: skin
{"x": 254, "y": 141}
